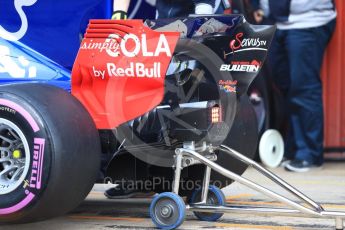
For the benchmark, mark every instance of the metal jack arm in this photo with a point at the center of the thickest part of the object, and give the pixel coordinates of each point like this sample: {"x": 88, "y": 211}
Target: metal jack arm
{"x": 313, "y": 209}
{"x": 272, "y": 177}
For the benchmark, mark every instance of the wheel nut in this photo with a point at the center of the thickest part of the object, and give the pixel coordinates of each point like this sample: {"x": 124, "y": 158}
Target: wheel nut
{"x": 165, "y": 211}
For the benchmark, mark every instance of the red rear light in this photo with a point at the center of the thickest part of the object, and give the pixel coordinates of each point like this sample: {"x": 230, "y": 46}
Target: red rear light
{"x": 216, "y": 114}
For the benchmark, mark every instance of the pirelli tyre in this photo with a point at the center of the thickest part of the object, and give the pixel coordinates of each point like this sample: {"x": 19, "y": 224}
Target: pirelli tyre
{"x": 49, "y": 152}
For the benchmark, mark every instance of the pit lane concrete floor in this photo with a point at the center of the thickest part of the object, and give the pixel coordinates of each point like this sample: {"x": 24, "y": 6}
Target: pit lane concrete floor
{"x": 326, "y": 185}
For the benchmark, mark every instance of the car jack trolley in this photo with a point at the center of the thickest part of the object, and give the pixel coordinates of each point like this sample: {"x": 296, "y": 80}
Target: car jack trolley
{"x": 168, "y": 209}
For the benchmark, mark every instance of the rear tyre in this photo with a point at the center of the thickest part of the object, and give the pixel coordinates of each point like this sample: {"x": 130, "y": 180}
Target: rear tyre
{"x": 49, "y": 152}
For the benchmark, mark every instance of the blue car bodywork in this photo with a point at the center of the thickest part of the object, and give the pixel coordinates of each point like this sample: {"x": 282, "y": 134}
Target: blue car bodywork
{"x": 19, "y": 63}
{"x": 39, "y": 39}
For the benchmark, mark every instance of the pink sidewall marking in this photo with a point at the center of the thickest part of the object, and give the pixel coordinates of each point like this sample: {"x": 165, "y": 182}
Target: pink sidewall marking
{"x": 18, "y": 206}
{"x": 22, "y": 111}
{"x": 39, "y": 142}
{"x": 35, "y": 128}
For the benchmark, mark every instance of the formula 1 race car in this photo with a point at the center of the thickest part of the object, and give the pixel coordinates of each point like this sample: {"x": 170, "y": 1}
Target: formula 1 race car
{"x": 154, "y": 101}
{"x": 139, "y": 91}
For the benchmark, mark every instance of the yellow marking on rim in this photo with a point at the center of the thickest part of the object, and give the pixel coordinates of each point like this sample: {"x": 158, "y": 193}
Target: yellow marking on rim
{"x": 16, "y": 154}
{"x": 131, "y": 219}
{"x": 252, "y": 226}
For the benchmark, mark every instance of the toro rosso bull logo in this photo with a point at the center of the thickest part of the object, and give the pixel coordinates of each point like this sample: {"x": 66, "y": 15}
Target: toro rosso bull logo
{"x": 228, "y": 86}
{"x": 15, "y": 36}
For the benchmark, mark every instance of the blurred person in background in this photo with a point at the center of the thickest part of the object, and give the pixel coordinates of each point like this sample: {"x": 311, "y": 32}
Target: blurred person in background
{"x": 304, "y": 29}
{"x": 120, "y": 8}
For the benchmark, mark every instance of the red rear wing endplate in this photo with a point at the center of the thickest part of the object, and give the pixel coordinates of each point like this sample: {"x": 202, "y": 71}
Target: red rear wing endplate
{"x": 120, "y": 69}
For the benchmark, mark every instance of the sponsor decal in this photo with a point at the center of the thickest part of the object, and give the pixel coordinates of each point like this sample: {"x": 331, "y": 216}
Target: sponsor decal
{"x": 133, "y": 70}
{"x": 37, "y": 164}
{"x": 132, "y": 57}
{"x": 116, "y": 46}
{"x": 241, "y": 43}
{"x": 228, "y": 86}
{"x": 130, "y": 46}
{"x": 242, "y": 66}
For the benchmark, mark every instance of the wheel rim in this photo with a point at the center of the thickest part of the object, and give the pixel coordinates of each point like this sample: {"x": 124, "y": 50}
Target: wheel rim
{"x": 166, "y": 212}
{"x": 14, "y": 157}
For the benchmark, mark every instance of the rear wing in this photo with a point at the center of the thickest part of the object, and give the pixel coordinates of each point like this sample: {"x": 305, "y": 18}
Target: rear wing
{"x": 119, "y": 72}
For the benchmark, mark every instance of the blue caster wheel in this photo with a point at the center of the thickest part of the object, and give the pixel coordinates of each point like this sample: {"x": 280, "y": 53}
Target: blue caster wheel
{"x": 167, "y": 210}
{"x": 215, "y": 197}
